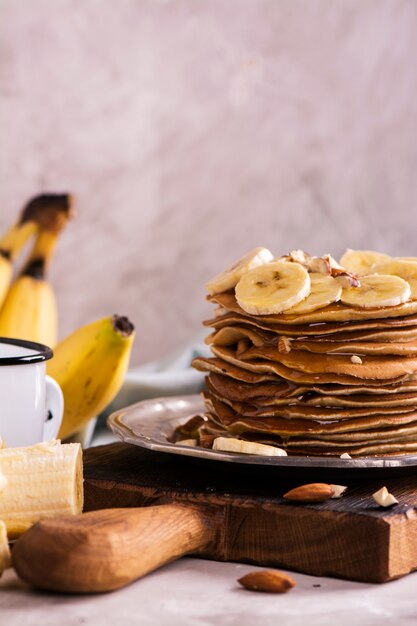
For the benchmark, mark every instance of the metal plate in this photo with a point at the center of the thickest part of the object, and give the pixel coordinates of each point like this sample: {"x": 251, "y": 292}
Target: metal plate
{"x": 150, "y": 424}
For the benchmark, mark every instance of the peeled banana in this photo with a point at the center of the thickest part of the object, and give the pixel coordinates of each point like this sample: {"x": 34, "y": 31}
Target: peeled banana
{"x": 272, "y": 288}
{"x": 230, "y": 444}
{"x": 5, "y": 555}
{"x": 362, "y": 262}
{"x": 44, "y": 480}
{"x": 404, "y": 269}
{"x": 377, "y": 290}
{"x": 229, "y": 278}
{"x": 90, "y": 366}
{"x": 324, "y": 291}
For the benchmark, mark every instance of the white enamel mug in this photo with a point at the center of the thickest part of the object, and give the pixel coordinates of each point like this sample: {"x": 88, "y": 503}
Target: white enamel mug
{"x": 31, "y": 403}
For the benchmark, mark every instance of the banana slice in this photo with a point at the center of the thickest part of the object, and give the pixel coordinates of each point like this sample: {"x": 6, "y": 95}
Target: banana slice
{"x": 324, "y": 291}
{"x": 362, "y": 261}
{"x": 404, "y": 269}
{"x": 229, "y": 278}
{"x": 377, "y": 290}
{"x": 230, "y": 444}
{"x": 272, "y": 288}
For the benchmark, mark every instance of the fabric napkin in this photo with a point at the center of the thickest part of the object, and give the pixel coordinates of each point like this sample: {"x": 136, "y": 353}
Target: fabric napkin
{"x": 170, "y": 376}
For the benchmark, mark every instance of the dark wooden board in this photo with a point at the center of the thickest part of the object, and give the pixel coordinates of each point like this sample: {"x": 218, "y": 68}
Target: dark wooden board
{"x": 350, "y": 537}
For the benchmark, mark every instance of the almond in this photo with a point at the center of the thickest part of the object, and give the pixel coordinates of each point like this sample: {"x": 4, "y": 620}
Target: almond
{"x": 312, "y": 492}
{"x": 384, "y": 498}
{"x": 270, "y": 581}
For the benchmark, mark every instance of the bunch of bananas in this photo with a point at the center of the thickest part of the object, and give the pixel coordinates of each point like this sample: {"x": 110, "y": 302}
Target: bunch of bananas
{"x": 90, "y": 364}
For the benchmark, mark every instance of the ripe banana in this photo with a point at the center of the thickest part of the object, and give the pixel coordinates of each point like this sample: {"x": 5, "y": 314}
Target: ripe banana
{"x": 90, "y": 365}
{"x": 10, "y": 245}
{"x": 30, "y": 311}
{"x": 42, "y": 211}
{"x": 361, "y": 262}
{"x": 404, "y": 269}
{"x": 231, "y": 444}
{"x": 324, "y": 291}
{"x": 377, "y": 290}
{"x": 272, "y": 288}
{"x": 229, "y": 278}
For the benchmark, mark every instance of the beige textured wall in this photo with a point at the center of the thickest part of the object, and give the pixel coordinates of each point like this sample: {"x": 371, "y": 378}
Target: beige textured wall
{"x": 193, "y": 130}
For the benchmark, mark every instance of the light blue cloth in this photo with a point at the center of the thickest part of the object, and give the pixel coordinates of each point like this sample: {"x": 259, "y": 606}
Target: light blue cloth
{"x": 171, "y": 376}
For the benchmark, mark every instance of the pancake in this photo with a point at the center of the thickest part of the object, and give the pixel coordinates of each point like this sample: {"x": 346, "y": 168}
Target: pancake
{"x": 230, "y": 335}
{"x": 337, "y": 378}
{"x": 317, "y": 371}
{"x": 336, "y": 312}
{"x": 407, "y": 324}
{"x": 309, "y": 412}
{"x": 264, "y": 394}
{"x": 371, "y": 367}
{"x": 225, "y": 416}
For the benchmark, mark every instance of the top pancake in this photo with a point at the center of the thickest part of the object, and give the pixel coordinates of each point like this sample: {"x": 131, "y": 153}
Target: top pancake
{"x": 336, "y": 312}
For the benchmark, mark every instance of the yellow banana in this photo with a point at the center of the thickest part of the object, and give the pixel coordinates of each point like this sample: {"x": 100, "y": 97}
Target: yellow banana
{"x": 90, "y": 366}
{"x": 42, "y": 211}
{"x": 29, "y": 310}
{"x": 10, "y": 245}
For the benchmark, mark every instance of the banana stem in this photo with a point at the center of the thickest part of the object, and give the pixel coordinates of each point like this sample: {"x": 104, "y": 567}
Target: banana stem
{"x": 51, "y": 211}
{"x": 122, "y": 325}
{"x": 41, "y": 254}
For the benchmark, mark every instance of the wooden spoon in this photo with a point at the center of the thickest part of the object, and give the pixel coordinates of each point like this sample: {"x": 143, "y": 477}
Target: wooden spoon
{"x": 107, "y": 549}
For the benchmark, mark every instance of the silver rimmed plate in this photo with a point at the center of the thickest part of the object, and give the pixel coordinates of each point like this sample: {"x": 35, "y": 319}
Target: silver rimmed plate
{"x": 150, "y": 424}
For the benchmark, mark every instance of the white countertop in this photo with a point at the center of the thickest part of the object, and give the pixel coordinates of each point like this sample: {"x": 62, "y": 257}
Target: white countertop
{"x": 194, "y": 592}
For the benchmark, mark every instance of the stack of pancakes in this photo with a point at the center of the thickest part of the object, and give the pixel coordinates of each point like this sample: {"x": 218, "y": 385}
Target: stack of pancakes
{"x": 337, "y": 380}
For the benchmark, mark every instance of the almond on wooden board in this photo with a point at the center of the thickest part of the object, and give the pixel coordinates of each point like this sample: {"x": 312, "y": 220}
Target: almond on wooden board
{"x": 314, "y": 492}
{"x": 270, "y": 581}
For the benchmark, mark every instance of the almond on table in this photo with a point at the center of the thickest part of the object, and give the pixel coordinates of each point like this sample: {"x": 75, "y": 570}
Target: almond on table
{"x": 270, "y": 581}
{"x": 384, "y": 498}
{"x": 314, "y": 492}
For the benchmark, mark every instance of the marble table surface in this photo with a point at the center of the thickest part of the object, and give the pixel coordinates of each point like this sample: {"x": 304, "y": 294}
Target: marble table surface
{"x": 198, "y": 592}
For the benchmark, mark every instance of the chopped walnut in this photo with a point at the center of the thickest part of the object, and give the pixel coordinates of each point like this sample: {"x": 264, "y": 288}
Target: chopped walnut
{"x": 284, "y": 345}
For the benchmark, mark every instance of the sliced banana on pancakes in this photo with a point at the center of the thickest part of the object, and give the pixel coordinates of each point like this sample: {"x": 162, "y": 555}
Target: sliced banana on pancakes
{"x": 377, "y": 290}
{"x": 231, "y": 444}
{"x": 362, "y": 262}
{"x": 404, "y": 269}
{"x": 272, "y": 288}
{"x": 229, "y": 278}
{"x": 324, "y": 291}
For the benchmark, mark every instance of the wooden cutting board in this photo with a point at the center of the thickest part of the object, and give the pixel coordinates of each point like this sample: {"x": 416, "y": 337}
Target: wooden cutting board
{"x": 248, "y": 520}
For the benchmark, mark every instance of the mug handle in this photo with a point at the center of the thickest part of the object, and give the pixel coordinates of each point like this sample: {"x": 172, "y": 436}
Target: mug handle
{"x": 54, "y": 409}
